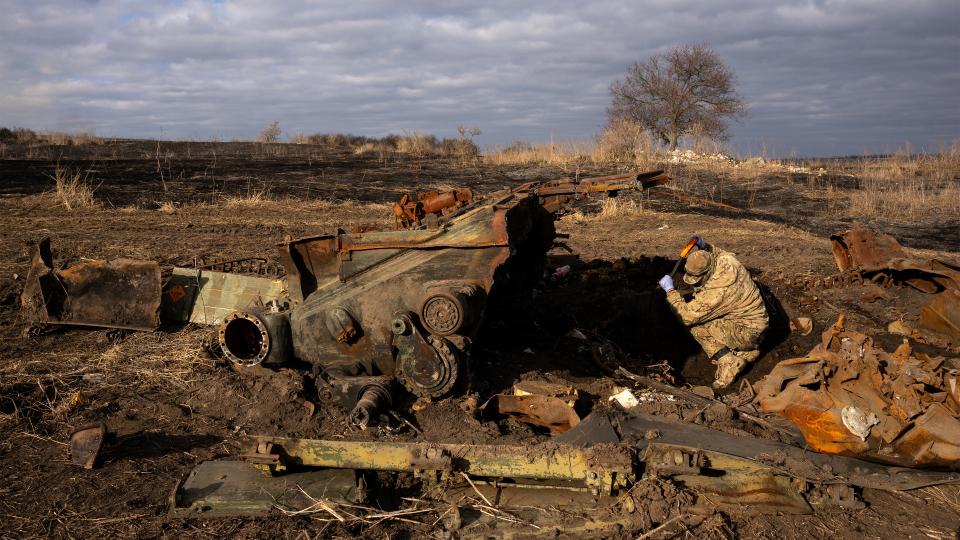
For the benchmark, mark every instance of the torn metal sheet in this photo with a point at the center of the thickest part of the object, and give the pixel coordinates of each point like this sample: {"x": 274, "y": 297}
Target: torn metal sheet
{"x": 564, "y": 392}
{"x": 851, "y": 398}
{"x": 863, "y": 250}
{"x": 121, "y": 293}
{"x": 85, "y": 444}
{"x": 208, "y": 297}
{"x": 942, "y": 316}
{"x": 234, "y": 488}
{"x": 549, "y": 412}
{"x": 595, "y": 428}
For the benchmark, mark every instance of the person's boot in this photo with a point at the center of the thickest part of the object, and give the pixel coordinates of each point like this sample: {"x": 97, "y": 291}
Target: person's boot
{"x": 730, "y": 365}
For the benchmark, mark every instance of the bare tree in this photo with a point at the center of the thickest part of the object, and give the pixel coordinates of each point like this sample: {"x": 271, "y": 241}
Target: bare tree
{"x": 685, "y": 89}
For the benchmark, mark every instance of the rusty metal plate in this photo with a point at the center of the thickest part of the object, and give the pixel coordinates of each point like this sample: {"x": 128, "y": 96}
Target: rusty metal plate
{"x": 207, "y": 297}
{"x": 85, "y": 444}
{"x": 122, "y": 293}
{"x": 942, "y": 315}
{"x": 737, "y": 484}
{"x": 864, "y": 250}
{"x": 550, "y": 412}
{"x": 236, "y": 488}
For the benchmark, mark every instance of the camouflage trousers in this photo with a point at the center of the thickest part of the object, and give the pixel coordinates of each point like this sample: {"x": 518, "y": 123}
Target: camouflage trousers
{"x": 732, "y": 334}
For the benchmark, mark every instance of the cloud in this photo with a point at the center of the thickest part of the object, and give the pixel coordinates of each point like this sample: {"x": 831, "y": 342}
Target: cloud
{"x": 821, "y": 77}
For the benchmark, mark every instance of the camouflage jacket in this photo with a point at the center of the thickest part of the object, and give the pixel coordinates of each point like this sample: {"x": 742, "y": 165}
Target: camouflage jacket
{"x": 729, "y": 292}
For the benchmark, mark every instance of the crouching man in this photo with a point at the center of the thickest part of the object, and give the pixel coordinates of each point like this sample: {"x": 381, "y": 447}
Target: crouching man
{"x": 725, "y": 314}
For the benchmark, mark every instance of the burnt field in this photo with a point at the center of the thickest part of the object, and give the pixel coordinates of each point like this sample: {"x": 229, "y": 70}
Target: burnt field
{"x": 173, "y": 402}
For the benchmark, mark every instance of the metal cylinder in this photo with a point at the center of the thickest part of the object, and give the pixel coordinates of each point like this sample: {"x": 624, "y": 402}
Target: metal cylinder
{"x": 255, "y": 337}
{"x": 372, "y": 400}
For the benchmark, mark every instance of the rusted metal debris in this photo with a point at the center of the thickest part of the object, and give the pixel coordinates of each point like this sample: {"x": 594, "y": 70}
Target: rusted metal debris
{"x": 851, "y": 398}
{"x": 127, "y": 294}
{"x": 549, "y": 412}
{"x": 208, "y": 297}
{"x": 607, "y": 470}
{"x": 121, "y": 293}
{"x": 413, "y": 210}
{"x": 555, "y": 194}
{"x": 85, "y": 444}
{"x": 942, "y": 316}
{"x": 808, "y": 467}
{"x": 405, "y": 304}
{"x": 866, "y": 251}
{"x": 881, "y": 259}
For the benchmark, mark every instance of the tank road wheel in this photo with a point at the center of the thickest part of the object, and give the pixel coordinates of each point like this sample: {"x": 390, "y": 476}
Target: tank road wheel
{"x": 429, "y": 375}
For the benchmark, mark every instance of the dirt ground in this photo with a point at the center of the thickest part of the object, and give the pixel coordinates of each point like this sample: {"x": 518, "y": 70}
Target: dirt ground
{"x": 173, "y": 404}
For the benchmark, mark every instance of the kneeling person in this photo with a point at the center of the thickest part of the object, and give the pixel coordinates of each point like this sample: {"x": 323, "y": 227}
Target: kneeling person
{"x": 726, "y": 314}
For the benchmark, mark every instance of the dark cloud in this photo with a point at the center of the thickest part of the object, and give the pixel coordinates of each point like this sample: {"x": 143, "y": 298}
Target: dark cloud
{"x": 821, "y": 77}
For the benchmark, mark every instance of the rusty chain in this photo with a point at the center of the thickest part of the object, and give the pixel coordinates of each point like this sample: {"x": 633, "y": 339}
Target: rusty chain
{"x": 833, "y": 281}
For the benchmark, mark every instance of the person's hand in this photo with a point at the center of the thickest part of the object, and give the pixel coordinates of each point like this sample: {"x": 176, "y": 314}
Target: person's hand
{"x": 666, "y": 283}
{"x": 700, "y": 243}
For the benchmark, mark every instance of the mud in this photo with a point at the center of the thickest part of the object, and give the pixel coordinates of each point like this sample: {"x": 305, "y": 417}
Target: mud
{"x": 172, "y": 402}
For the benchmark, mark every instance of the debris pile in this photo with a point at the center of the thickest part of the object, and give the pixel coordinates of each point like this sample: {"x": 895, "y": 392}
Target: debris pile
{"x": 851, "y": 398}
{"x": 880, "y": 258}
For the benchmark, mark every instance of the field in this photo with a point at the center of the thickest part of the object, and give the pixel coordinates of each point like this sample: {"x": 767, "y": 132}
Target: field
{"x": 173, "y": 404}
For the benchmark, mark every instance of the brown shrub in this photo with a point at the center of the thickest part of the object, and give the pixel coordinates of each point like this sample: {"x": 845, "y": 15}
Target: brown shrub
{"x": 73, "y": 189}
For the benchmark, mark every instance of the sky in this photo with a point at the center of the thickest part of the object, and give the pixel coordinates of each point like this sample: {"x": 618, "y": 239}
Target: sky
{"x": 820, "y": 78}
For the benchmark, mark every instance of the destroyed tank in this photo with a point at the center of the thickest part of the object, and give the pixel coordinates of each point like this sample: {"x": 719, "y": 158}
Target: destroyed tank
{"x": 371, "y": 310}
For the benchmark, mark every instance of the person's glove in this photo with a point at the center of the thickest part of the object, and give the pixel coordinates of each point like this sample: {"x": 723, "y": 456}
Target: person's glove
{"x": 666, "y": 283}
{"x": 700, "y": 243}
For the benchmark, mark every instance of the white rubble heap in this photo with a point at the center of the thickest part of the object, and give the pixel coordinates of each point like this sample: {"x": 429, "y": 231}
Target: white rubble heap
{"x": 689, "y": 157}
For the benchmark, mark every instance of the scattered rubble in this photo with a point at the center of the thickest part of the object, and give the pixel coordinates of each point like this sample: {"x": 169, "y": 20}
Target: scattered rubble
{"x": 383, "y": 318}
{"x": 851, "y": 398}
{"x": 880, "y": 258}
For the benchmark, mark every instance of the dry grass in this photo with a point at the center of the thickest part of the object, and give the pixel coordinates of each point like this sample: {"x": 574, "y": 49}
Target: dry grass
{"x": 416, "y": 144}
{"x": 563, "y": 153}
{"x": 906, "y": 200}
{"x": 619, "y": 208}
{"x": 73, "y": 188}
{"x": 611, "y": 209}
{"x": 167, "y": 207}
{"x": 908, "y": 186}
{"x": 65, "y": 139}
{"x": 323, "y": 214}
{"x": 46, "y": 389}
{"x": 252, "y": 198}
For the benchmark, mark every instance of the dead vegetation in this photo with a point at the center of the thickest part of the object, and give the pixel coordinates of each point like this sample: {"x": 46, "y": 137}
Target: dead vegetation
{"x": 909, "y": 186}
{"x": 73, "y": 188}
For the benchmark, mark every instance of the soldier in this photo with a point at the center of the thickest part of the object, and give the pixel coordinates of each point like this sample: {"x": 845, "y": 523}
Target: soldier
{"x": 726, "y": 313}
